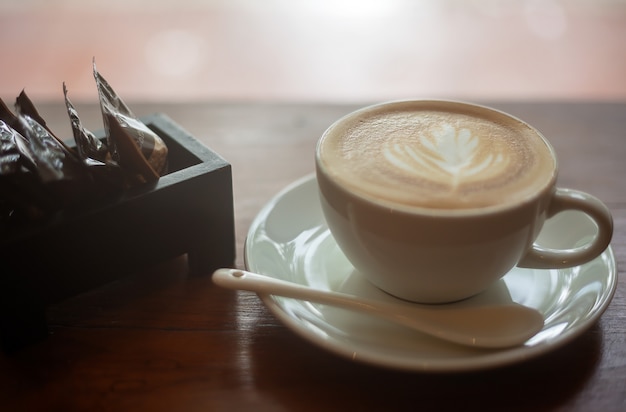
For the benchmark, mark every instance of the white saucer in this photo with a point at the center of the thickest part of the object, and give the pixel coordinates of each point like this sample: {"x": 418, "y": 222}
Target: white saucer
{"x": 289, "y": 239}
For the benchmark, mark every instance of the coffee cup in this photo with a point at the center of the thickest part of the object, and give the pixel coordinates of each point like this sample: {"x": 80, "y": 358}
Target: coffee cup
{"x": 434, "y": 201}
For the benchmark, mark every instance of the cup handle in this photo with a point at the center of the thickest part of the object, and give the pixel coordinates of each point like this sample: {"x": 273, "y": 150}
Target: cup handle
{"x": 569, "y": 199}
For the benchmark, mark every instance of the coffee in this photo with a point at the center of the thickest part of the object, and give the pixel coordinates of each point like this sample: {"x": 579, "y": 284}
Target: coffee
{"x": 434, "y": 201}
{"x": 429, "y": 154}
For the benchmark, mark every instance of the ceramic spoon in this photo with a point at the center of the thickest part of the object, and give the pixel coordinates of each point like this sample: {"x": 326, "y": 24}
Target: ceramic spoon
{"x": 494, "y": 326}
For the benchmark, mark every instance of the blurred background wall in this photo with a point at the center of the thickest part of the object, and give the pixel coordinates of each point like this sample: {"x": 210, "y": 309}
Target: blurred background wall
{"x": 315, "y": 50}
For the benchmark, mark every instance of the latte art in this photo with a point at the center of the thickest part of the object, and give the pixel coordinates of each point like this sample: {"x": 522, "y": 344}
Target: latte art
{"x": 446, "y": 155}
{"x": 419, "y": 154}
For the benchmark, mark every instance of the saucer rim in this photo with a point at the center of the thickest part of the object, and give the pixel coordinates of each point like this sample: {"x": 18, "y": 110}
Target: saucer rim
{"x": 496, "y": 358}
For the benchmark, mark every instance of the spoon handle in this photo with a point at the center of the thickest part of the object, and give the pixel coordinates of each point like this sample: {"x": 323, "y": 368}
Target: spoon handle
{"x": 253, "y": 282}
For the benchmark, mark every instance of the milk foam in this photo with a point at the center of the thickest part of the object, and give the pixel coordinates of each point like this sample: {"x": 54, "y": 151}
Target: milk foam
{"x": 436, "y": 157}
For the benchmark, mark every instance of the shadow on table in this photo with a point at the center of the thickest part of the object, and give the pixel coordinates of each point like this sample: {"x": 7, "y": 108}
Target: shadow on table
{"x": 543, "y": 383}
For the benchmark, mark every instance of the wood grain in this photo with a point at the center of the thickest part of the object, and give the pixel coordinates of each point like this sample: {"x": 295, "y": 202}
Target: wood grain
{"x": 162, "y": 341}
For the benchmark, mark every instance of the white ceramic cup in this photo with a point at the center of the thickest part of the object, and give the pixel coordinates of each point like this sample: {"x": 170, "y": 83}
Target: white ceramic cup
{"x": 438, "y": 254}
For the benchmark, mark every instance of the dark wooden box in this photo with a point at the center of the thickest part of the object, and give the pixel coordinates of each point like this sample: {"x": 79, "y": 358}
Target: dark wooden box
{"x": 188, "y": 211}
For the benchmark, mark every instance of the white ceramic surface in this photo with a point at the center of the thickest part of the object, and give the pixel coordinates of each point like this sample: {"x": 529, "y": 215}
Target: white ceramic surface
{"x": 289, "y": 240}
{"x": 463, "y": 242}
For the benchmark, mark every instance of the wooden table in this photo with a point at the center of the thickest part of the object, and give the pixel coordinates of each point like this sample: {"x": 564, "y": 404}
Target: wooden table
{"x": 163, "y": 341}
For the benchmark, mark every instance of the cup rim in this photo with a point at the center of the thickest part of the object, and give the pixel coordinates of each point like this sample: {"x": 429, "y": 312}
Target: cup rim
{"x": 548, "y": 187}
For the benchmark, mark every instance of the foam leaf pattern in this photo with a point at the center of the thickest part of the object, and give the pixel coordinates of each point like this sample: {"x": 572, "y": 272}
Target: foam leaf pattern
{"x": 445, "y": 155}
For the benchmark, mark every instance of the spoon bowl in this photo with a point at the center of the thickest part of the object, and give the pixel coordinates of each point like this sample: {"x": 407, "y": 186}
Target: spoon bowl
{"x": 489, "y": 326}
